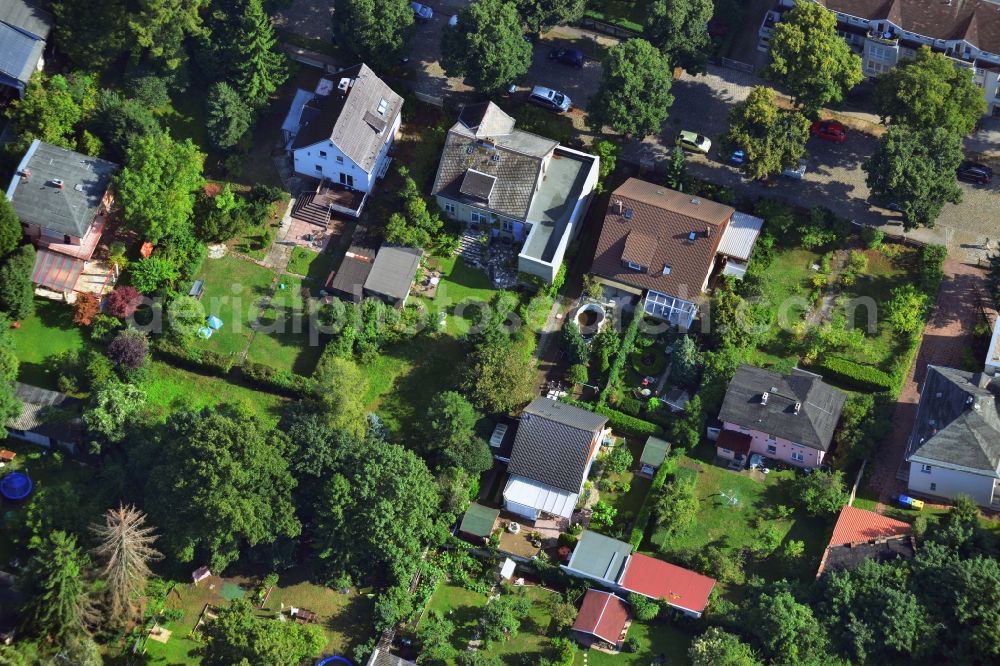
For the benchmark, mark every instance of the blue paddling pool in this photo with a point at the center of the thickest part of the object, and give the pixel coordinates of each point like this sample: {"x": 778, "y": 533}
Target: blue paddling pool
{"x": 329, "y": 661}
{"x": 15, "y": 486}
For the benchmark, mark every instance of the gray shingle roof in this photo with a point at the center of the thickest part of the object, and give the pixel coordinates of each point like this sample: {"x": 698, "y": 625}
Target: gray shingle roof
{"x": 958, "y": 422}
{"x": 70, "y": 209}
{"x": 19, "y": 53}
{"x": 818, "y": 415}
{"x": 381, "y": 657}
{"x": 552, "y": 445}
{"x": 492, "y": 147}
{"x": 27, "y": 17}
{"x": 600, "y": 557}
{"x": 352, "y": 122}
{"x": 393, "y": 271}
{"x": 46, "y": 412}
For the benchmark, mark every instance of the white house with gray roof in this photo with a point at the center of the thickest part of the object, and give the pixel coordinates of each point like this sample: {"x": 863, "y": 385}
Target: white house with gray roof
{"x": 526, "y": 188}
{"x": 341, "y": 134}
{"x": 954, "y": 448}
{"x": 24, "y": 29}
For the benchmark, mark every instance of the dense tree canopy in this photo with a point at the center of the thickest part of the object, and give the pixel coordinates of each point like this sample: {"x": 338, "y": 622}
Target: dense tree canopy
{"x": 376, "y": 31}
{"x": 159, "y": 28}
{"x": 772, "y": 139}
{"x": 634, "y": 96}
{"x": 811, "y": 59}
{"x": 91, "y": 35}
{"x": 221, "y": 481}
{"x": 157, "y": 186}
{"x": 679, "y": 28}
{"x": 716, "y": 647}
{"x": 260, "y": 66}
{"x": 114, "y": 408}
{"x": 452, "y": 438}
{"x": 543, "y": 15}
{"x": 52, "y": 108}
{"x": 59, "y": 606}
{"x": 487, "y": 46}
{"x": 229, "y": 117}
{"x": 931, "y": 92}
{"x": 11, "y": 233}
{"x": 915, "y": 169}
{"x": 341, "y": 383}
{"x": 119, "y": 121}
{"x": 16, "y": 290}
{"x": 239, "y": 636}
{"x": 417, "y": 226}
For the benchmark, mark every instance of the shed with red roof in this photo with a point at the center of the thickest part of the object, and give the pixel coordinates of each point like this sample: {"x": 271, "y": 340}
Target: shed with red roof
{"x": 860, "y": 535}
{"x": 685, "y": 590}
{"x": 603, "y": 616}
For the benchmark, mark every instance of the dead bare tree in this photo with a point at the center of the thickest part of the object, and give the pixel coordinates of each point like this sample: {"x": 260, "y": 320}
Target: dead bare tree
{"x": 126, "y": 549}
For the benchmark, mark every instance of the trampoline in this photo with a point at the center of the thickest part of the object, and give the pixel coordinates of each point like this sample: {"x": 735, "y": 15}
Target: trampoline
{"x": 329, "y": 661}
{"x": 15, "y": 486}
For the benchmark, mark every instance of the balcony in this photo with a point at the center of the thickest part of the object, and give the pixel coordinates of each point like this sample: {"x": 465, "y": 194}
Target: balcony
{"x": 887, "y": 37}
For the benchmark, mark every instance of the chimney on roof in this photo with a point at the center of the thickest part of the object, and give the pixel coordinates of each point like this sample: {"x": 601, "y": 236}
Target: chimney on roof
{"x": 798, "y": 407}
{"x": 58, "y": 183}
{"x": 696, "y": 201}
{"x": 617, "y": 207}
{"x": 708, "y": 231}
{"x": 763, "y": 398}
{"x": 344, "y": 85}
{"x": 24, "y": 173}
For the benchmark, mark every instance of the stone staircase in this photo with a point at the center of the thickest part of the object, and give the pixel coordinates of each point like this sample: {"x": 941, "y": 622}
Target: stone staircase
{"x": 307, "y": 210}
{"x": 469, "y": 247}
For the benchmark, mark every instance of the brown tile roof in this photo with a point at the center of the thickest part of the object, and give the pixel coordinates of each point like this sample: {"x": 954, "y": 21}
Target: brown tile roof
{"x": 603, "y": 615}
{"x": 976, "y": 21}
{"x": 859, "y": 526}
{"x": 654, "y": 224}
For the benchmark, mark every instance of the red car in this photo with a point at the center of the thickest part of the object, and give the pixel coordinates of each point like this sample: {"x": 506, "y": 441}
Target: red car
{"x": 829, "y": 130}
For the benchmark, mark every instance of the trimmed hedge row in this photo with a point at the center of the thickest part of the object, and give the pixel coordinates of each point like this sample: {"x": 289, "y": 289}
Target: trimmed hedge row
{"x": 277, "y": 381}
{"x": 615, "y": 371}
{"x": 193, "y": 358}
{"x": 646, "y": 510}
{"x": 855, "y": 376}
{"x": 619, "y": 421}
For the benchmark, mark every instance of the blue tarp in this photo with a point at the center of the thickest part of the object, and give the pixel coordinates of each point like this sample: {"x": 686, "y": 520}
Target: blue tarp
{"x": 214, "y": 322}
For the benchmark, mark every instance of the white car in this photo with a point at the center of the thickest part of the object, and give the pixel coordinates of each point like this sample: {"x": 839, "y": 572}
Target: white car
{"x": 422, "y": 12}
{"x": 795, "y": 173}
{"x": 694, "y": 142}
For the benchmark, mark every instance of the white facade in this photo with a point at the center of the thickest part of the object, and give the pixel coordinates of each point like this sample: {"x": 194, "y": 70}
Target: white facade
{"x": 324, "y": 160}
{"x": 938, "y": 481}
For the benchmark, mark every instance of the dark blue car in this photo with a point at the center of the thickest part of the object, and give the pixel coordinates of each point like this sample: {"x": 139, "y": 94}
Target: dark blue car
{"x": 567, "y": 57}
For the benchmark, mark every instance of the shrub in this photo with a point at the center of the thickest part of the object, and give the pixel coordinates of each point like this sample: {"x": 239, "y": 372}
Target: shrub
{"x": 619, "y": 460}
{"x": 857, "y": 261}
{"x": 278, "y": 381}
{"x": 646, "y": 510}
{"x": 578, "y": 373}
{"x": 195, "y": 358}
{"x": 854, "y": 376}
{"x": 603, "y": 515}
{"x": 644, "y": 608}
{"x": 872, "y": 237}
{"x": 907, "y": 309}
{"x": 103, "y": 326}
{"x": 629, "y": 405}
{"x": 128, "y": 349}
{"x": 631, "y": 645}
{"x": 123, "y": 301}
{"x": 87, "y": 307}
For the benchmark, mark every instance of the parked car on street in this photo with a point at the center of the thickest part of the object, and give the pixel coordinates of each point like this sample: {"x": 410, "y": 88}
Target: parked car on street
{"x": 422, "y": 12}
{"x": 572, "y": 57}
{"x": 829, "y": 130}
{"x": 694, "y": 142}
{"x": 550, "y": 99}
{"x": 795, "y": 173}
{"x": 974, "y": 172}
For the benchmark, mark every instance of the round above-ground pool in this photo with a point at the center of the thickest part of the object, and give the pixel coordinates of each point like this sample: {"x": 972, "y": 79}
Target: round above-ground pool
{"x": 590, "y": 318}
{"x": 15, "y": 486}
{"x": 329, "y": 661}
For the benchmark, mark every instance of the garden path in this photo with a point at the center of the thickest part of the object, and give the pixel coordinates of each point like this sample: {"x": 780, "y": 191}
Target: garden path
{"x": 947, "y": 333}
{"x": 822, "y": 313}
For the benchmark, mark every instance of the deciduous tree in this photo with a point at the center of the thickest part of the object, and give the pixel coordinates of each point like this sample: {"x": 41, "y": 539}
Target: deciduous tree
{"x": 679, "y": 29}
{"x": 418, "y": 227}
{"x": 501, "y": 619}
{"x": 821, "y": 493}
{"x": 114, "y": 408}
{"x": 716, "y": 647}
{"x": 916, "y": 170}
{"x": 435, "y": 634}
{"x": 11, "y": 233}
{"x": 52, "y": 108}
{"x": 487, "y": 46}
{"x": 158, "y": 28}
{"x": 772, "y": 139}
{"x": 376, "y": 31}
{"x": 16, "y": 291}
{"x": 123, "y": 301}
{"x": 811, "y": 59}
{"x": 120, "y": 121}
{"x": 341, "y": 387}
{"x": 677, "y": 506}
{"x": 239, "y": 636}
{"x": 634, "y": 95}
{"x": 452, "y": 436}
{"x": 125, "y": 547}
{"x": 501, "y": 376}
{"x": 786, "y": 628}
{"x": 931, "y": 92}
{"x": 128, "y": 349}
{"x": 91, "y": 35}
{"x": 542, "y": 15}
{"x": 157, "y": 186}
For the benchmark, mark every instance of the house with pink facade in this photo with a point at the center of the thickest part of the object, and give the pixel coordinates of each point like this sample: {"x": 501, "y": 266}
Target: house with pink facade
{"x": 790, "y": 418}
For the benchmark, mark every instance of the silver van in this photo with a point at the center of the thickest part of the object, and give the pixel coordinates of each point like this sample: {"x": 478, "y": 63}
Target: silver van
{"x": 551, "y": 99}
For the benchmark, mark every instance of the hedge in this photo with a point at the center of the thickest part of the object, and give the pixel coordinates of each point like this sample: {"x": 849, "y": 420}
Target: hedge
{"x": 646, "y": 510}
{"x": 619, "y": 421}
{"x": 193, "y": 358}
{"x": 626, "y": 348}
{"x": 276, "y": 380}
{"x": 855, "y": 376}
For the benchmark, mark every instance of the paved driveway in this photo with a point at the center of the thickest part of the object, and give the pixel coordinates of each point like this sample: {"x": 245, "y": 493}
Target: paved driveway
{"x": 430, "y": 81}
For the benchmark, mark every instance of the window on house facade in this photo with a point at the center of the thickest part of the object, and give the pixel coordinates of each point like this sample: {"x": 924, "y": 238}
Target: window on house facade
{"x": 476, "y": 218}
{"x": 340, "y": 159}
{"x": 322, "y": 154}
{"x": 926, "y": 469}
{"x": 449, "y": 208}
{"x": 726, "y": 451}
{"x": 797, "y": 456}
{"x": 933, "y": 487}
{"x": 319, "y": 167}
{"x": 507, "y": 225}
{"x": 772, "y": 449}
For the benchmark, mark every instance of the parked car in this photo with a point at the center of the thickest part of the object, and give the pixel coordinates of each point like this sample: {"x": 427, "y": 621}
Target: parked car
{"x": 694, "y": 142}
{"x": 572, "y": 57}
{"x": 974, "y": 172}
{"x": 422, "y": 12}
{"x": 795, "y": 173}
{"x": 550, "y": 99}
{"x": 829, "y": 130}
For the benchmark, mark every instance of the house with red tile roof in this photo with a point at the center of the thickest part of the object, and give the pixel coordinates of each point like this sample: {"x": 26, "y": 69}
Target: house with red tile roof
{"x": 612, "y": 563}
{"x": 603, "y": 617}
{"x": 860, "y": 535}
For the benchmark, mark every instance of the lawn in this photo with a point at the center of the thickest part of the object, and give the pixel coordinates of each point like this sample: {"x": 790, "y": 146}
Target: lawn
{"x": 46, "y": 333}
{"x": 169, "y": 389}
{"x": 461, "y": 292}
{"x": 311, "y": 264}
{"x": 657, "y": 640}
{"x": 729, "y": 526}
{"x": 463, "y": 607}
{"x": 629, "y": 14}
{"x": 233, "y": 290}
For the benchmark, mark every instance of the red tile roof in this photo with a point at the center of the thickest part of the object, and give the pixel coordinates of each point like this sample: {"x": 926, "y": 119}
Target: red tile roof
{"x": 661, "y": 580}
{"x": 603, "y": 615}
{"x": 859, "y": 526}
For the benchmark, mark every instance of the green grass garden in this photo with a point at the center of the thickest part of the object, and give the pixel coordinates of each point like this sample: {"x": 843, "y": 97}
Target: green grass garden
{"x": 233, "y": 291}
{"x": 311, "y": 264}
{"x": 45, "y": 334}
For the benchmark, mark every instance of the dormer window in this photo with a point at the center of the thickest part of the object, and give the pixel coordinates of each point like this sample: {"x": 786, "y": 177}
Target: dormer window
{"x": 666, "y": 269}
{"x": 383, "y": 106}
{"x": 634, "y": 266}
{"x": 627, "y": 214}
{"x": 692, "y": 235}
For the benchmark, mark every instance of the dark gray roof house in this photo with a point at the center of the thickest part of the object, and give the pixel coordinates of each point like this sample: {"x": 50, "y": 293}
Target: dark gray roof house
{"x": 958, "y": 422}
{"x": 24, "y": 29}
{"x": 59, "y": 190}
{"x": 392, "y": 273}
{"x": 348, "y": 281}
{"x": 798, "y": 407}
{"x": 47, "y": 418}
{"x": 553, "y": 449}
{"x": 382, "y": 657}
